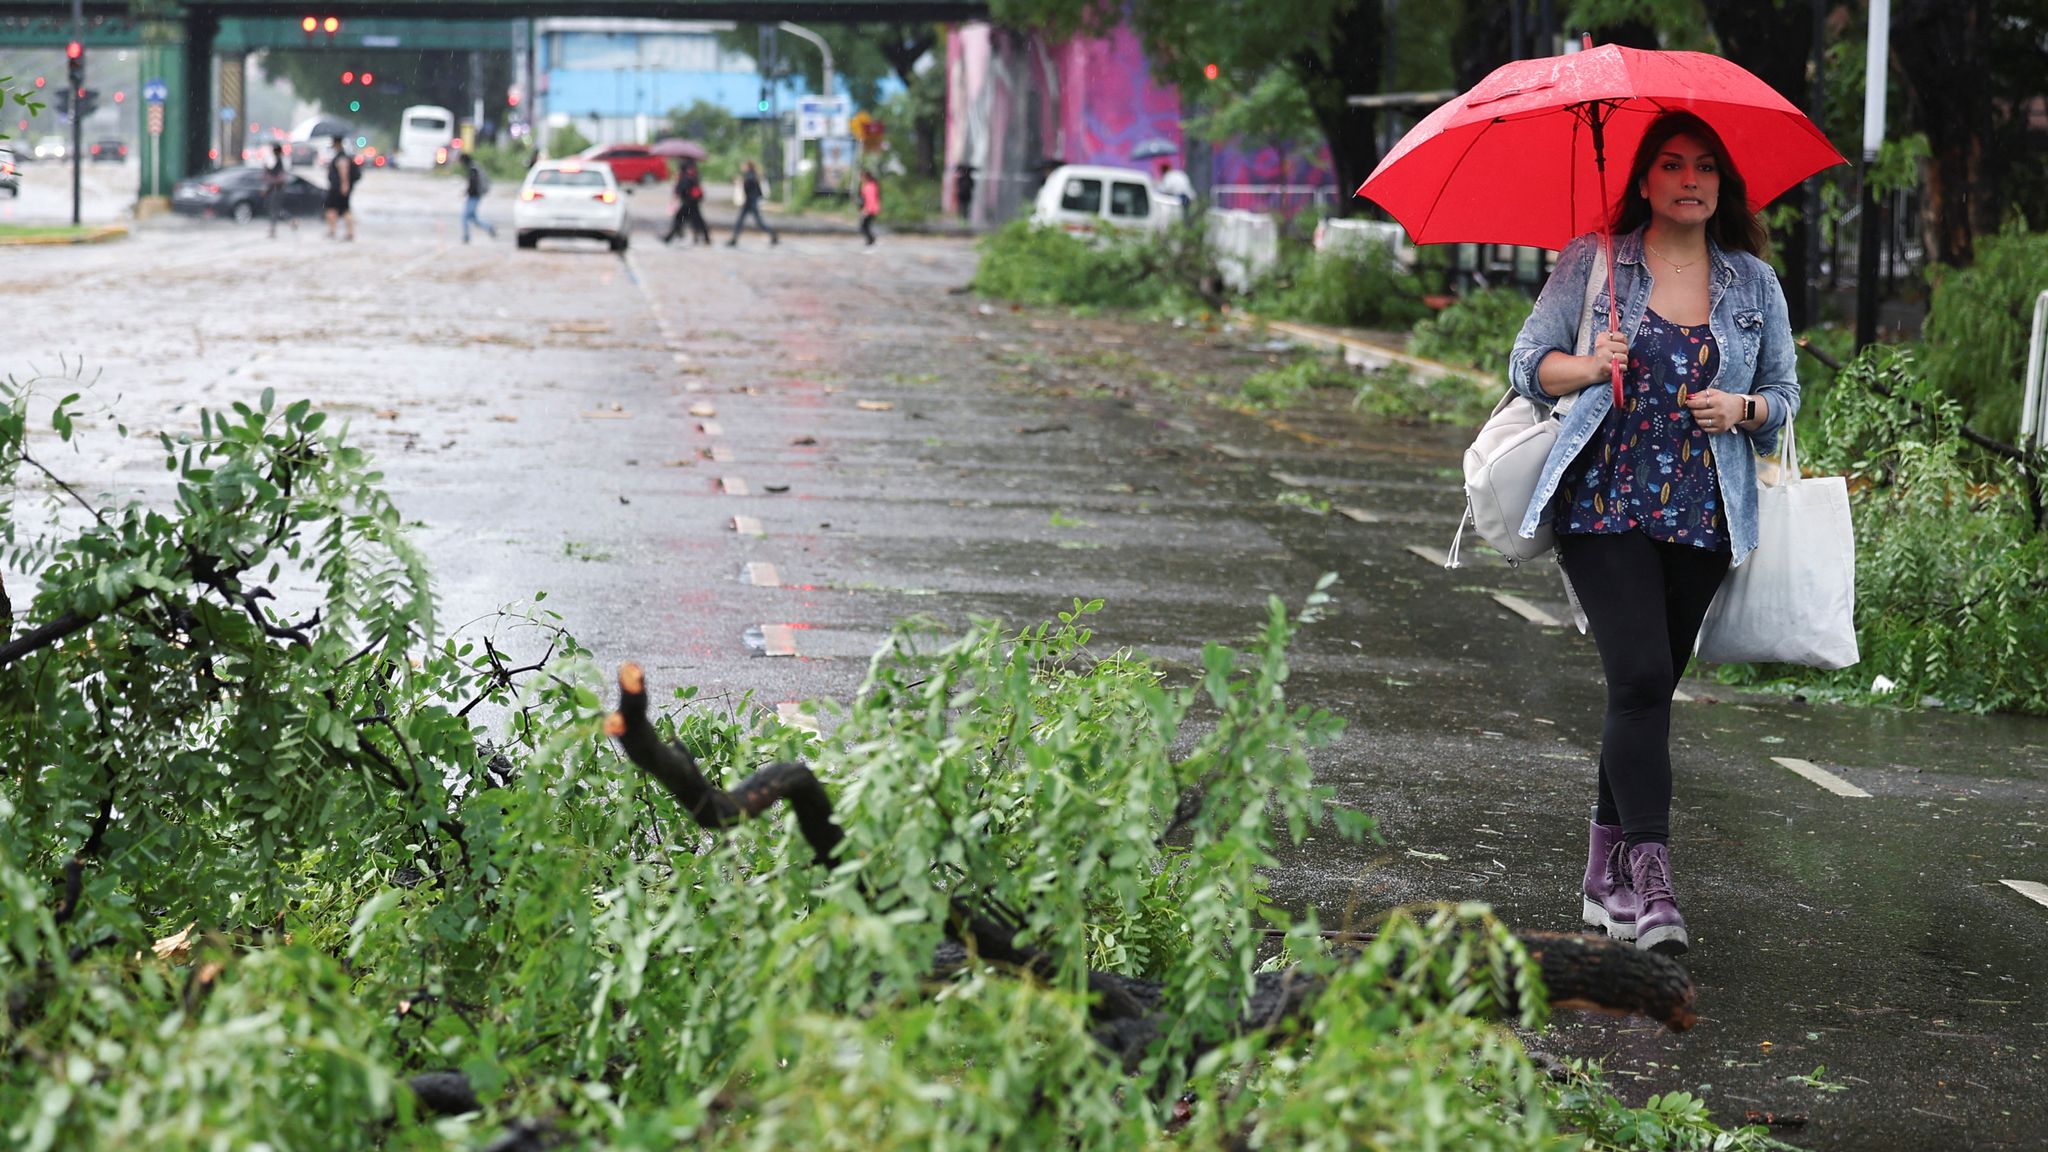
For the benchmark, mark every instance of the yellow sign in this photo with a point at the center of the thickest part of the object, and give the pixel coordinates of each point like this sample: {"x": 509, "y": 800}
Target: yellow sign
{"x": 867, "y": 130}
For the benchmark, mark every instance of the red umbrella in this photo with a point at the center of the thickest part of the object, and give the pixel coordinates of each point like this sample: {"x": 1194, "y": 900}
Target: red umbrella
{"x": 679, "y": 147}
{"x": 1521, "y": 158}
{"x": 1516, "y": 160}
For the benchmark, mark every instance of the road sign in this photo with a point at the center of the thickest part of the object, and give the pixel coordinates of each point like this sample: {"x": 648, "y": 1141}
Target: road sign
{"x": 227, "y": 115}
{"x": 155, "y": 91}
{"x": 820, "y": 116}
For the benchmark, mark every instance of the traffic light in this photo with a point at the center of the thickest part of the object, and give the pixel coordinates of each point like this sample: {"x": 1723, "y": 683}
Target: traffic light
{"x": 355, "y": 105}
{"x": 88, "y": 102}
{"x": 39, "y": 81}
{"x": 74, "y": 53}
{"x": 1210, "y": 71}
{"x": 311, "y": 24}
{"x": 62, "y": 99}
{"x": 119, "y": 95}
{"x": 368, "y": 79}
{"x": 763, "y": 103}
{"x": 348, "y": 77}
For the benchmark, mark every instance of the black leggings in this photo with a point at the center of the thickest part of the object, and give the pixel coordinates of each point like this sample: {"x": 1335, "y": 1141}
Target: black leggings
{"x": 1644, "y": 600}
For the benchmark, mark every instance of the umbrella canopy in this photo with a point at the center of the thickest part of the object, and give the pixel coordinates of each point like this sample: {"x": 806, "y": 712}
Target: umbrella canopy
{"x": 679, "y": 148}
{"x": 1513, "y": 161}
{"x": 1156, "y": 146}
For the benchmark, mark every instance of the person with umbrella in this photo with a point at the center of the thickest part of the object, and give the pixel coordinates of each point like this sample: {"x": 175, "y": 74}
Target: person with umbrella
{"x": 1653, "y": 498}
{"x": 689, "y": 209}
{"x": 341, "y": 184}
{"x": 1649, "y": 483}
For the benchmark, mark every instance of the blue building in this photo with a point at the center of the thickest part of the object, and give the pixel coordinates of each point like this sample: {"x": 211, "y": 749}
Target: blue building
{"x": 617, "y": 79}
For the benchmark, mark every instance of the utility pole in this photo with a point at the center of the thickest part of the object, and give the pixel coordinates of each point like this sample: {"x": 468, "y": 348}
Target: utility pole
{"x": 1877, "y": 51}
{"x": 1816, "y": 103}
{"x": 75, "y": 72}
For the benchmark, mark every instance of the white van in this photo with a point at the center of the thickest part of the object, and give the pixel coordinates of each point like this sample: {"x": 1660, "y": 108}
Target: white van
{"x": 423, "y": 135}
{"x": 1088, "y": 197}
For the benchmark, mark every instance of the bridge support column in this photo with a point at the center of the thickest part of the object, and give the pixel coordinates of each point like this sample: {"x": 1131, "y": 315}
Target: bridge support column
{"x": 201, "y": 29}
{"x": 164, "y": 153}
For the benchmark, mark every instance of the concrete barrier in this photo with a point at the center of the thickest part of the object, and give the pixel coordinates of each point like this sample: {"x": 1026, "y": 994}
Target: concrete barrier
{"x": 1357, "y": 237}
{"x": 1246, "y": 244}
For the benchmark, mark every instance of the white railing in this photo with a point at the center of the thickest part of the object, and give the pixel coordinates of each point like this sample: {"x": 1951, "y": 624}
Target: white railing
{"x": 1285, "y": 199}
{"x": 2037, "y": 379}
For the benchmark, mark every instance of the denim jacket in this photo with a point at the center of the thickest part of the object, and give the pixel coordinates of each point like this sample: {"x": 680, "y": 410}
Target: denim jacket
{"x": 1748, "y": 318}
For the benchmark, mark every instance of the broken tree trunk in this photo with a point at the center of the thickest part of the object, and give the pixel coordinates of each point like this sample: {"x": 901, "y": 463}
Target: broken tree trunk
{"x": 1581, "y": 971}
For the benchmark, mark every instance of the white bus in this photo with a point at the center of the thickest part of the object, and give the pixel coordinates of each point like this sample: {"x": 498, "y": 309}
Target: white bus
{"x": 424, "y": 133}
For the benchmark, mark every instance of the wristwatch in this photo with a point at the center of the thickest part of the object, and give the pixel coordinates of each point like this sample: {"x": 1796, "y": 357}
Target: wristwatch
{"x": 1748, "y": 409}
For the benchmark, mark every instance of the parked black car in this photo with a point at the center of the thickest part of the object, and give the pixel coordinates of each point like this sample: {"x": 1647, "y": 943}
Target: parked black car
{"x": 112, "y": 150}
{"x": 237, "y": 193}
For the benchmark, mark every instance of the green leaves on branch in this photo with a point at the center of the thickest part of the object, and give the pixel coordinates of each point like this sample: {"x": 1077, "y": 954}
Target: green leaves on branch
{"x": 1951, "y": 576}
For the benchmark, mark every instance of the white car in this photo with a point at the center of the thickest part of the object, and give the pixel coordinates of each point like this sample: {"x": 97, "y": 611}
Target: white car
{"x": 1090, "y": 197}
{"x": 570, "y": 198}
{"x": 53, "y": 147}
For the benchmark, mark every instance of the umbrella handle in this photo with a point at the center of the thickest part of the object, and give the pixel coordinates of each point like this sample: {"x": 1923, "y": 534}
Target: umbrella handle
{"x": 1613, "y": 314}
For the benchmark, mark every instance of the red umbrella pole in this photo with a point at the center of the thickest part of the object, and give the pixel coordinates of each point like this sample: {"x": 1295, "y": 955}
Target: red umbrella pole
{"x": 1599, "y": 121}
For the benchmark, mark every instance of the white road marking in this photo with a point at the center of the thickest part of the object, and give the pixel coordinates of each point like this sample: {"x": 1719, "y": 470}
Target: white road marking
{"x": 711, "y": 428}
{"x": 792, "y": 713}
{"x": 1360, "y": 514}
{"x": 1232, "y": 451}
{"x": 1680, "y": 696}
{"x": 1822, "y": 777}
{"x": 703, "y": 409}
{"x": 760, "y": 574}
{"x": 778, "y": 640}
{"x": 2032, "y": 889}
{"x": 748, "y": 526}
{"x": 1526, "y": 610}
{"x": 1430, "y": 554}
{"x": 734, "y": 486}
{"x": 1291, "y": 480}
{"x": 722, "y": 454}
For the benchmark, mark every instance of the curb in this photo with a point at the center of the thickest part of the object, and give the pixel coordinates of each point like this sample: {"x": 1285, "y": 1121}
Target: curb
{"x": 97, "y": 235}
{"x": 1369, "y": 355}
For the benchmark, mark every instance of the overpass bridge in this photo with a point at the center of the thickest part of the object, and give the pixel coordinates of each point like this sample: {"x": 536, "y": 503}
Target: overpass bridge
{"x": 179, "y": 40}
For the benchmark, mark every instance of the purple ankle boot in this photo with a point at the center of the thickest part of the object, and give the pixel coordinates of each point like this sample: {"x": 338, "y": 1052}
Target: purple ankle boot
{"x": 1609, "y": 904}
{"x": 1659, "y": 925}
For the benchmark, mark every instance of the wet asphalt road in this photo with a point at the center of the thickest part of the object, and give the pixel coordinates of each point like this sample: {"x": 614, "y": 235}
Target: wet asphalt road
{"x": 568, "y": 421}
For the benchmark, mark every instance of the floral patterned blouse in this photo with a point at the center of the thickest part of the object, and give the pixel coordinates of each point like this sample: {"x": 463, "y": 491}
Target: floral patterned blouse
{"x": 1651, "y": 467}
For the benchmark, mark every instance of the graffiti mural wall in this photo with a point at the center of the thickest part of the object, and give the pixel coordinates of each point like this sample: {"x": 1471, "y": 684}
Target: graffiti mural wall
{"x": 1017, "y": 107}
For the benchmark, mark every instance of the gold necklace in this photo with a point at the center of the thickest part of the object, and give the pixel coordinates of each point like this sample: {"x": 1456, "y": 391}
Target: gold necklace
{"x": 1675, "y": 265}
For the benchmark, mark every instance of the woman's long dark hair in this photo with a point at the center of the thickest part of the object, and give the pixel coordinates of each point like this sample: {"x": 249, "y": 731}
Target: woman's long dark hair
{"x": 1733, "y": 225}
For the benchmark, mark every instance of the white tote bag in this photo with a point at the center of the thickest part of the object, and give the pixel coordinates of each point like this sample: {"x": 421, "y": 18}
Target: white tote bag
{"x": 1793, "y": 601}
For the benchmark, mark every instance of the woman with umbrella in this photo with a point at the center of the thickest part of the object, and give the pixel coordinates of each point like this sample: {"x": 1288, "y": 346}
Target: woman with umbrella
{"x": 1650, "y": 482}
{"x": 1653, "y": 497}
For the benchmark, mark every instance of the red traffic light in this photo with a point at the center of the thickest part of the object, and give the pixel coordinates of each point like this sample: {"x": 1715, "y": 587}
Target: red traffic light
{"x": 366, "y": 79}
{"x": 1211, "y": 71}
{"x": 39, "y": 81}
{"x": 348, "y": 77}
{"x": 119, "y": 95}
{"x": 74, "y": 50}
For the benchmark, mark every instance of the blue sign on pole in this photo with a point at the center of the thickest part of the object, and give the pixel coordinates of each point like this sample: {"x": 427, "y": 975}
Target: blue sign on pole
{"x": 155, "y": 91}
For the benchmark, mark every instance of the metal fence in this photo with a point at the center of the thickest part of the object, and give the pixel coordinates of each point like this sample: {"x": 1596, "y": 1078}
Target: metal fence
{"x": 1284, "y": 200}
